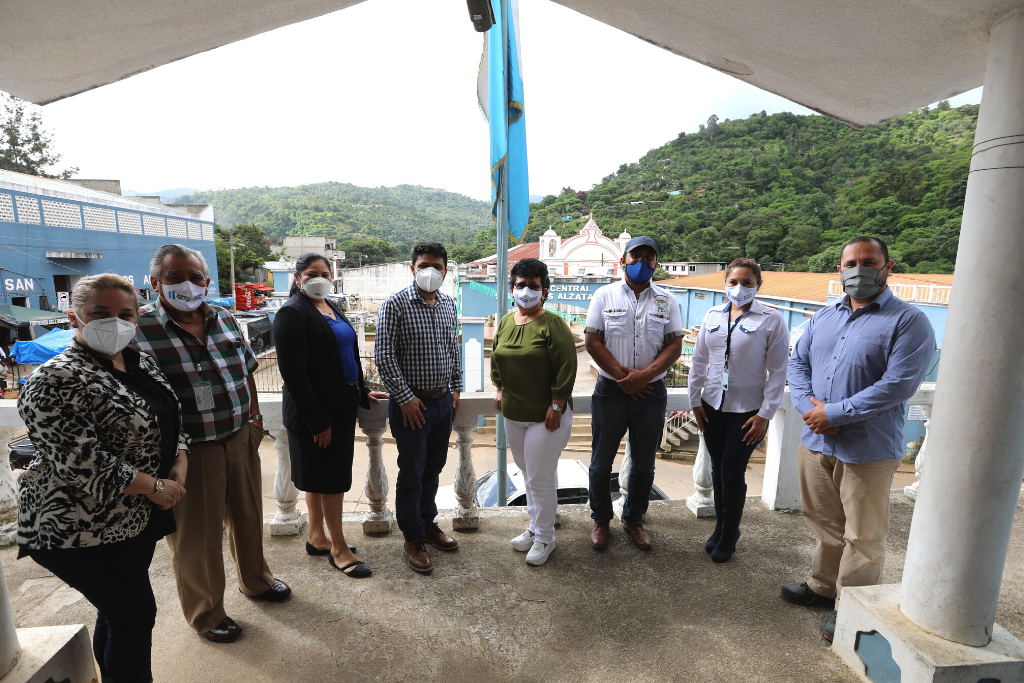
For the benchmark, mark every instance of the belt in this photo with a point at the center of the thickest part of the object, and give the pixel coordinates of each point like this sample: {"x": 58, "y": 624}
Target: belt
{"x": 428, "y": 393}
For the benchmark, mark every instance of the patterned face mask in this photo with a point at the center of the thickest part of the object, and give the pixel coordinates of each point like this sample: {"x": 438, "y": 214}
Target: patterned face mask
{"x": 184, "y": 296}
{"x": 526, "y": 297}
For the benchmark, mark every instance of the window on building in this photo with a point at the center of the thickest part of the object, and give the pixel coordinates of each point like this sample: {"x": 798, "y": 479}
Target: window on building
{"x": 693, "y": 268}
{"x": 700, "y": 296}
{"x": 20, "y": 301}
{"x": 62, "y": 283}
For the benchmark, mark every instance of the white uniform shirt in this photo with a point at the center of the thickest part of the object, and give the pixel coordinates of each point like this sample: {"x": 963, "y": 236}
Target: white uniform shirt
{"x": 635, "y": 330}
{"x": 758, "y": 356}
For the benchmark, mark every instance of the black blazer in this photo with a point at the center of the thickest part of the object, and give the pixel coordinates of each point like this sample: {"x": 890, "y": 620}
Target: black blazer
{"x": 307, "y": 355}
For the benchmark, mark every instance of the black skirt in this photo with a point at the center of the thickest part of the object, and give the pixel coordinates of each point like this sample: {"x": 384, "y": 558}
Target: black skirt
{"x": 327, "y": 470}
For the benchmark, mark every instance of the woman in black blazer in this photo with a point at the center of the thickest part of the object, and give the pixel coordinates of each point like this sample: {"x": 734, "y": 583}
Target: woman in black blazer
{"x": 318, "y": 354}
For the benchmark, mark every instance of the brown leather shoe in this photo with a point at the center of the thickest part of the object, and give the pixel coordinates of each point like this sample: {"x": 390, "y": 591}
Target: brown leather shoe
{"x": 641, "y": 539}
{"x": 276, "y": 593}
{"x": 439, "y": 539}
{"x": 416, "y": 553}
{"x": 599, "y": 536}
{"x": 224, "y": 632}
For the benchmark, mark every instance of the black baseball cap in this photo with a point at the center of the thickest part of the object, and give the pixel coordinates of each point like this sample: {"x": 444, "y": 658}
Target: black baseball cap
{"x": 641, "y": 242}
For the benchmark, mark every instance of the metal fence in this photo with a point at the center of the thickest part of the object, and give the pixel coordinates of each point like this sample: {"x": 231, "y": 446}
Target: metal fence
{"x": 269, "y": 381}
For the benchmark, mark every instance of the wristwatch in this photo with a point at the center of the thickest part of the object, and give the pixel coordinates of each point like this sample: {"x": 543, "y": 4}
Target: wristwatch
{"x": 158, "y": 486}
{"x": 555, "y": 407}
{"x": 256, "y": 416}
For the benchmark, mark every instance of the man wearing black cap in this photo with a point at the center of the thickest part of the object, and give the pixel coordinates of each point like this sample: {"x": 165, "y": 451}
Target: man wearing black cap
{"x": 634, "y": 334}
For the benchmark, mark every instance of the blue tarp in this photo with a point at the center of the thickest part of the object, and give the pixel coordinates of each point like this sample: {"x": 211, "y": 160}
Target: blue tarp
{"x": 42, "y": 349}
{"x": 225, "y": 301}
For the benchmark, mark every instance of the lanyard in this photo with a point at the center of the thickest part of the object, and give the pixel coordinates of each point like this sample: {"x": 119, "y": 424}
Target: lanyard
{"x": 728, "y": 337}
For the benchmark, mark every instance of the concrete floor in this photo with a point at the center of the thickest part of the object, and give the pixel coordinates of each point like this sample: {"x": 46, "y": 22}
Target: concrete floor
{"x": 484, "y": 615}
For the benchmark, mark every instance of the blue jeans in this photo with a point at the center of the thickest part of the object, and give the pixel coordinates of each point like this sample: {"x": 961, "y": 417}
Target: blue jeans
{"x": 422, "y": 454}
{"x": 614, "y": 412}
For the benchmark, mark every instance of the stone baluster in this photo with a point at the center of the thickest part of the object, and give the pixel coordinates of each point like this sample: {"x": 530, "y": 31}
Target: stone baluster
{"x": 702, "y": 502}
{"x": 466, "y": 516}
{"x": 624, "y": 469}
{"x": 911, "y": 491}
{"x": 378, "y": 519}
{"x": 8, "y": 491}
{"x": 10, "y": 649}
{"x": 288, "y": 520}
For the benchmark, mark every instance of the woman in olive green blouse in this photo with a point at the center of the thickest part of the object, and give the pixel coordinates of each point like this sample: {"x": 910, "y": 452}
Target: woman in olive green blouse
{"x": 533, "y": 365}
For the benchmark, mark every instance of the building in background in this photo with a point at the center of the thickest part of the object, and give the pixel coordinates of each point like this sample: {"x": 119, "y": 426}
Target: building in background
{"x": 587, "y": 253}
{"x": 294, "y": 247}
{"x": 54, "y": 232}
{"x": 685, "y": 268}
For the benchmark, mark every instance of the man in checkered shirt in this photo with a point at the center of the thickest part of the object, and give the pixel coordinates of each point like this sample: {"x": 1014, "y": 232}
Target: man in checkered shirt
{"x": 418, "y": 357}
{"x": 209, "y": 364}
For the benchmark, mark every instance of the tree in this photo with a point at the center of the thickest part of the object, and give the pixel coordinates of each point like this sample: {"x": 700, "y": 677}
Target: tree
{"x": 24, "y": 146}
{"x": 712, "y": 127}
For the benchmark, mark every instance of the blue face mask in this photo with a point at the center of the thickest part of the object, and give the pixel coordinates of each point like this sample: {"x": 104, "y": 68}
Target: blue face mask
{"x": 639, "y": 272}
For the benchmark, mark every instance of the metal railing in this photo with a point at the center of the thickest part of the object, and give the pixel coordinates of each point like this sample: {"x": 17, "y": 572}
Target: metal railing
{"x": 268, "y": 375}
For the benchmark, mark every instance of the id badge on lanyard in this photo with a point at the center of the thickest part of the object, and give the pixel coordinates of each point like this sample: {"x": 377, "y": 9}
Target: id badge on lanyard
{"x": 728, "y": 343}
{"x": 203, "y": 392}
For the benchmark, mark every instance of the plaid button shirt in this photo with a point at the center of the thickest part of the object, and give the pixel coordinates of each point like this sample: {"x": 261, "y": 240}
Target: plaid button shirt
{"x": 417, "y": 344}
{"x": 225, "y": 361}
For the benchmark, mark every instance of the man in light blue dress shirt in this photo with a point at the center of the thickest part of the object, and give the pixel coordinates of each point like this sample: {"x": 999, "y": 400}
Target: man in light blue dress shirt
{"x": 851, "y": 375}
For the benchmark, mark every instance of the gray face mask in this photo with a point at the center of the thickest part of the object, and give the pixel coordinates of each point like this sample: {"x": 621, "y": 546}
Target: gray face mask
{"x": 861, "y": 282}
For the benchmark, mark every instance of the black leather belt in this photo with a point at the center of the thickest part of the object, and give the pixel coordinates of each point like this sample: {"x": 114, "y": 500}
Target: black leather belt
{"x": 428, "y": 393}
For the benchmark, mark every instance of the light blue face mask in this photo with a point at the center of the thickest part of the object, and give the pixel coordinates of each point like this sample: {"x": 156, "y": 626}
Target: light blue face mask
{"x": 639, "y": 272}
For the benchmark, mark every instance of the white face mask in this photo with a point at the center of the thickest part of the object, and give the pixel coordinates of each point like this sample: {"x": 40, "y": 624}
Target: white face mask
{"x": 185, "y": 296}
{"x": 317, "y": 287}
{"x": 740, "y": 295}
{"x": 526, "y": 297}
{"x": 108, "y": 335}
{"x": 429, "y": 279}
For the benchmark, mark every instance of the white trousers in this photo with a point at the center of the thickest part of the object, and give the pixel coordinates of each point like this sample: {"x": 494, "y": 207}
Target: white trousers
{"x": 536, "y": 451}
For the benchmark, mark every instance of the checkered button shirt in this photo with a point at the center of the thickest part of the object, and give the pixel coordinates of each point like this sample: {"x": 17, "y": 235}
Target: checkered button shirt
{"x": 417, "y": 344}
{"x": 225, "y": 361}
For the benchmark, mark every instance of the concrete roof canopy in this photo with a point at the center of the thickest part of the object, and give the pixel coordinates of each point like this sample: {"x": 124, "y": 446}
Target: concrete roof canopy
{"x": 860, "y": 62}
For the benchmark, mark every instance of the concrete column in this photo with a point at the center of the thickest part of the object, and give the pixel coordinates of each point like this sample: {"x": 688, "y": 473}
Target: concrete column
{"x": 781, "y": 490}
{"x": 288, "y": 520}
{"x": 965, "y": 507}
{"x": 373, "y": 423}
{"x": 10, "y": 650}
{"x": 466, "y": 516}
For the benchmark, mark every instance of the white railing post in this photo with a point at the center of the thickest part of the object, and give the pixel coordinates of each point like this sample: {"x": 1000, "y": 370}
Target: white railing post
{"x": 10, "y": 649}
{"x": 466, "y": 516}
{"x": 702, "y": 502}
{"x": 288, "y": 520}
{"x": 8, "y": 491}
{"x": 911, "y": 491}
{"x": 378, "y": 519}
{"x": 624, "y": 469}
{"x": 781, "y": 489}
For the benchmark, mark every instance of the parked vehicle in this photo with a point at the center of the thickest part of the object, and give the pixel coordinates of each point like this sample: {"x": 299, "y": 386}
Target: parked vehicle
{"x": 573, "y": 487}
{"x": 22, "y": 452}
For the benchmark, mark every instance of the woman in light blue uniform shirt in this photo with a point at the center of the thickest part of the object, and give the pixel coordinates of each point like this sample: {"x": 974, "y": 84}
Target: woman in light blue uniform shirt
{"x": 737, "y": 378}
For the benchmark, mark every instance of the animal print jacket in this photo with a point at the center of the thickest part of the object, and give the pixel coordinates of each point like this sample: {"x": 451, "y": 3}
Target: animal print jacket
{"x": 91, "y": 436}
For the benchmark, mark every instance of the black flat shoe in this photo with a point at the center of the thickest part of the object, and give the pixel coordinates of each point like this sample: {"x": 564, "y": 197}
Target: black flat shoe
{"x": 313, "y": 550}
{"x": 801, "y": 594}
{"x": 357, "y": 573}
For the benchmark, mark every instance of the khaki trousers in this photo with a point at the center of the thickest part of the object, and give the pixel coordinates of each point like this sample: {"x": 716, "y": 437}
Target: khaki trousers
{"x": 223, "y": 487}
{"x": 846, "y": 506}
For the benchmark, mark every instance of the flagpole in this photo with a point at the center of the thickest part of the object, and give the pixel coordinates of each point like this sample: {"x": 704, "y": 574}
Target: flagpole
{"x": 502, "y": 266}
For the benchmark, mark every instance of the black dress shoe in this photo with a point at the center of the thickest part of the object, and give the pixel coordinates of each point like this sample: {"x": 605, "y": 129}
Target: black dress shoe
{"x": 801, "y": 594}
{"x": 361, "y": 571}
{"x": 224, "y": 632}
{"x": 313, "y": 550}
{"x": 828, "y": 629}
{"x": 278, "y": 592}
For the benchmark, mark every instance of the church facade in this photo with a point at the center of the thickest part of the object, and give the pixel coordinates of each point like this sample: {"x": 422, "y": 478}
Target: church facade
{"x": 587, "y": 253}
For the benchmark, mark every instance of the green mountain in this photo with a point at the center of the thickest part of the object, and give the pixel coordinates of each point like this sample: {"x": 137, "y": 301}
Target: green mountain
{"x": 399, "y": 215}
{"x": 788, "y": 188}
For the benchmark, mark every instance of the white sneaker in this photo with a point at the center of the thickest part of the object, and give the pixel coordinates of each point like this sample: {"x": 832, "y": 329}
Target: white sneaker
{"x": 523, "y": 541}
{"x": 539, "y": 553}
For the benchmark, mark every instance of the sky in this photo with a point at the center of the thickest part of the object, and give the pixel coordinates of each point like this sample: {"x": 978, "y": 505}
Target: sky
{"x": 384, "y": 93}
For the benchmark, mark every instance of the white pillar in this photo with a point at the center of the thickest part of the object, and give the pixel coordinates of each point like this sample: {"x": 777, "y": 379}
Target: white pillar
{"x": 702, "y": 502}
{"x": 378, "y": 519}
{"x": 624, "y": 469}
{"x": 10, "y": 650}
{"x": 466, "y": 516}
{"x": 288, "y": 520}
{"x": 781, "y": 489}
{"x": 965, "y": 508}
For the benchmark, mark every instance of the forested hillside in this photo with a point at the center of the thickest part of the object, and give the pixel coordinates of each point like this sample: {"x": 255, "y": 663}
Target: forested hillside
{"x": 788, "y": 188}
{"x": 400, "y": 215}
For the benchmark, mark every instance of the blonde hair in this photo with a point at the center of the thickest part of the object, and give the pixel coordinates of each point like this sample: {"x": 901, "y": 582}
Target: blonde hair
{"x": 88, "y": 287}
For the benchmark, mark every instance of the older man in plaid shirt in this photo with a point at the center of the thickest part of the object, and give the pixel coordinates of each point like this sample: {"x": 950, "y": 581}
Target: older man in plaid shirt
{"x": 209, "y": 365}
{"x": 417, "y": 353}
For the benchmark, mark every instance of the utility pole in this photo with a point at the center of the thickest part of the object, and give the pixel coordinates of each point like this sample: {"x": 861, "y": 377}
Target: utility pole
{"x": 231, "y": 248}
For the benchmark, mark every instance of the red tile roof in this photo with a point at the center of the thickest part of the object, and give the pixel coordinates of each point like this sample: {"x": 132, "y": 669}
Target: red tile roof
{"x": 517, "y": 253}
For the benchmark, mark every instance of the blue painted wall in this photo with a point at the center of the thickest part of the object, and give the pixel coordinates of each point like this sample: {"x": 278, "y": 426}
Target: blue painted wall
{"x": 27, "y": 272}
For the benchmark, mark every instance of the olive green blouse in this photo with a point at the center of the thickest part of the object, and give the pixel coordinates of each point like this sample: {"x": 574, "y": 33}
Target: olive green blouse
{"x": 533, "y": 364}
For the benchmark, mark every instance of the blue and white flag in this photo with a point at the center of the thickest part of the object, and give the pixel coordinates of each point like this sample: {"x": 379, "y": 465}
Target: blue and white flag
{"x": 500, "y": 94}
